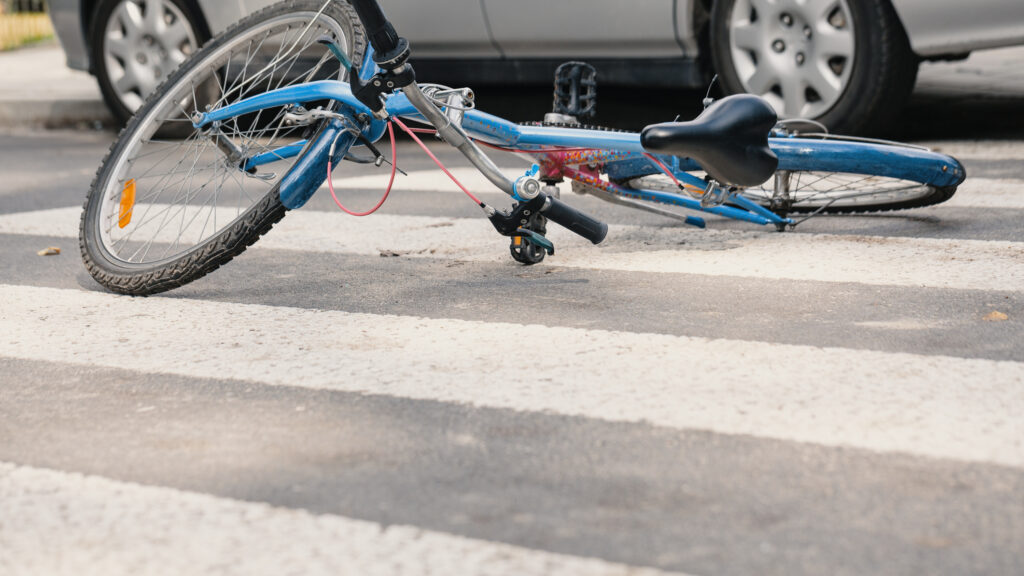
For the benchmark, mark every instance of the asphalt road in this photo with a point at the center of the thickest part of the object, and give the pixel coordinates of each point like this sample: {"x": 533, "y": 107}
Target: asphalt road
{"x": 395, "y": 395}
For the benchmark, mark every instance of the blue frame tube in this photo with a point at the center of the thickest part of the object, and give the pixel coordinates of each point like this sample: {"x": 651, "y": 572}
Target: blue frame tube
{"x": 299, "y": 94}
{"x": 867, "y": 158}
{"x": 282, "y": 153}
{"x": 368, "y": 67}
{"x": 310, "y": 172}
{"x": 794, "y": 153}
{"x": 762, "y": 216}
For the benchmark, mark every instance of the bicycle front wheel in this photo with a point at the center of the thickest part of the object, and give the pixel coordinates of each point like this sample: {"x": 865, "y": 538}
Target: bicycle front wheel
{"x": 839, "y": 175}
{"x": 171, "y": 203}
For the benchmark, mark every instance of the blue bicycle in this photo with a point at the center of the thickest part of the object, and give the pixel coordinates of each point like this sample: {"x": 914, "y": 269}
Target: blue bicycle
{"x": 252, "y": 125}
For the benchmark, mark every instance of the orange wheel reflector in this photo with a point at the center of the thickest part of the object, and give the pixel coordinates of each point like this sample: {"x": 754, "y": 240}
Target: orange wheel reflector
{"x": 127, "y": 204}
{"x": 517, "y": 241}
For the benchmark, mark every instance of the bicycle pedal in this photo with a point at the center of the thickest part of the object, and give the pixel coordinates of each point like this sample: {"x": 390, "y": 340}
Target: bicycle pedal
{"x": 576, "y": 90}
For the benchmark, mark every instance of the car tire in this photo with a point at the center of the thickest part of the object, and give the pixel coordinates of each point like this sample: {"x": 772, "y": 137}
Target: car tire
{"x": 849, "y": 67}
{"x": 134, "y": 51}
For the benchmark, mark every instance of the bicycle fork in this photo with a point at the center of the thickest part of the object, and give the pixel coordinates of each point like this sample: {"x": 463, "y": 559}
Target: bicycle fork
{"x": 310, "y": 172}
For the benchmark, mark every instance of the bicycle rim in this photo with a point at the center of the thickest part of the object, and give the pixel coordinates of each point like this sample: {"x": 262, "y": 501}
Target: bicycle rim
{"x": 808, "y": 191}
{"x": 825, "y": 192}
{"x": 172, "y": 189}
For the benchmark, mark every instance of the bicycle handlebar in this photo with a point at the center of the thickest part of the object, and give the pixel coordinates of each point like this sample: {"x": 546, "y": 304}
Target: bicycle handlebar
{"x": 564, "y": 215}
{"x": 391, "y": 52}
{"x": 388, "y": 47}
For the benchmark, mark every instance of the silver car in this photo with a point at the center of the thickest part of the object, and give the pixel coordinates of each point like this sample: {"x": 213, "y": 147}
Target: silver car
{"x": 848, "y": 63}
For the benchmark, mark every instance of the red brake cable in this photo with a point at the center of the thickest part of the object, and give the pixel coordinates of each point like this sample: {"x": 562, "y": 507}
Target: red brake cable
{"x": 394, "y": 168}
{"x": 412, "y": 134}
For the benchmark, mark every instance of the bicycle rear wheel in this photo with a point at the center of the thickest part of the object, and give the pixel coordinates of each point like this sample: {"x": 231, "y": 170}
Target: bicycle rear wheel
{"x": 171, "y": 203}
{"x": 843, "y": 176}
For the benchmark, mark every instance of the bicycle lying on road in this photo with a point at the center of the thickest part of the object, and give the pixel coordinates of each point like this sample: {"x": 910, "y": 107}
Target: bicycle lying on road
{"x": 253, "y": 124}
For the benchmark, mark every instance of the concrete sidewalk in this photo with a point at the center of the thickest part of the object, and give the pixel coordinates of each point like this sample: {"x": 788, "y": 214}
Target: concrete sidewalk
{"x": 39, "y": 90}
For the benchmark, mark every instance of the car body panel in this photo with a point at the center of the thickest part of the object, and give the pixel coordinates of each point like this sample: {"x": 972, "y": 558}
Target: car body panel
{"x": 685, "y": 16}
{"x": 68, "y": 24}
{"x": 583, "y": 28}
{"x": 938, "y": 27}
{"x": 436, "y": 29}
{"x": 458, "y": 29}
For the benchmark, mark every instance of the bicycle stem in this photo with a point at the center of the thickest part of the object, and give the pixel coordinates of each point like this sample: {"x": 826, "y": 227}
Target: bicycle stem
{"x": 456, "y": 137}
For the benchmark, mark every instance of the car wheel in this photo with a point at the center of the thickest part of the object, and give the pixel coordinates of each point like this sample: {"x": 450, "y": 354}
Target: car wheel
{"x": 845, "y": 63}
{"x": 136, "y": 44}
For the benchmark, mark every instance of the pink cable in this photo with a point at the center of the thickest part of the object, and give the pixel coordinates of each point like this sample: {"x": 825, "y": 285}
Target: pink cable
{"x": 665, "y": 170}
{"x": 436, "y": 161}
{"x": 394, "y": 167}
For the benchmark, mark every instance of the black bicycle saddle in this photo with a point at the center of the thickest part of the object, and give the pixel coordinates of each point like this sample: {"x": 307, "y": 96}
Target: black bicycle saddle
{"x": 729, "y": 140}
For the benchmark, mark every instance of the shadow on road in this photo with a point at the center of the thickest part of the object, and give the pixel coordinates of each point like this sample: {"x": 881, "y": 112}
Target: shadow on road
{"x": 948, "y": 117}
{"x": 981, "y": 97}
{"x": 928, "y": 116}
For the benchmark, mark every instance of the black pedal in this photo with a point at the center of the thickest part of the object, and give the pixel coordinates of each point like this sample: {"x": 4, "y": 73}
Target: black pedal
{"x": 576, "y": 90}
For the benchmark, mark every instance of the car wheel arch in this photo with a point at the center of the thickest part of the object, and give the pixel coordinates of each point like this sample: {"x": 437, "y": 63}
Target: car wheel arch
{"x": 701, "y": 18}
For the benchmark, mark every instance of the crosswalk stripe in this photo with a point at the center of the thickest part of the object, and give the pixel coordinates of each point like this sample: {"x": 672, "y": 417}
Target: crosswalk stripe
{"x": 423, "y": 180}
{"x": 943, "y": 407}
{"x": 85, "y": 525}
{"x": 973, "y": 193}
{"x": 988, "y": 193}
{"x": 977, "y": 150}
{"x": 881, "y": 261}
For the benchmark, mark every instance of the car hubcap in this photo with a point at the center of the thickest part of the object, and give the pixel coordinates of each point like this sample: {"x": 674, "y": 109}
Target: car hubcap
{"x": 797, "y": 54}
{"x": 144, "y": 41}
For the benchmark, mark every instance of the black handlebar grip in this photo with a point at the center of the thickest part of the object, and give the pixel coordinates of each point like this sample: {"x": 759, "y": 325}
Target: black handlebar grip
{"x": 561, "y": 213}
{"x": 381, "y": 33}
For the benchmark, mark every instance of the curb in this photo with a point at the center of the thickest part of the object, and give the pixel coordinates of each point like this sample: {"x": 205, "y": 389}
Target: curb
{"x": 54, "y": 114}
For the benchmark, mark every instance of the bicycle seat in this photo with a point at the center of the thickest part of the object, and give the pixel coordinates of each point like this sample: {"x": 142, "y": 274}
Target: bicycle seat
{"x": 729, "y": 140}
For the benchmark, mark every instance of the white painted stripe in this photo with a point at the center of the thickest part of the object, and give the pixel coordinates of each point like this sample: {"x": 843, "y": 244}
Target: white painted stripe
{"x": 58, "y": 523}
{"x": 965, "y": 409}
{"x": 984, "y": 150}
{"x": 973, "y": 193}
{"x": 918, "y": 262}
{"x": 424, "y": 180}
{"x": 988, "y": 193}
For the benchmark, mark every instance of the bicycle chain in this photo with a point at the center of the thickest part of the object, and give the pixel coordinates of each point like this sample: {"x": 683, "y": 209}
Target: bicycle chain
{"x": 569, "y": 125}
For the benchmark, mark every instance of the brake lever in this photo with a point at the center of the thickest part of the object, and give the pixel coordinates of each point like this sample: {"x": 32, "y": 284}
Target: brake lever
{"x": 508, "y": 223}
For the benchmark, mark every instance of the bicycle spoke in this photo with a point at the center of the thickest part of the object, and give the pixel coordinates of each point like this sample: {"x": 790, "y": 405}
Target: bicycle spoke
{"x": 184, "y": 189}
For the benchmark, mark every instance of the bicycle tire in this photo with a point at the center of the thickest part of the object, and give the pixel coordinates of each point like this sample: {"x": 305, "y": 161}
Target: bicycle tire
{"x": 217, "y": 74}
{"x": 836, "y": 176}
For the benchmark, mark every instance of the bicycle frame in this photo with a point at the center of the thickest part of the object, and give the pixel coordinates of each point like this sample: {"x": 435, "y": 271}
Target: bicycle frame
{"x": 557, "y": 149}
{"x": 199, "y": 199}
